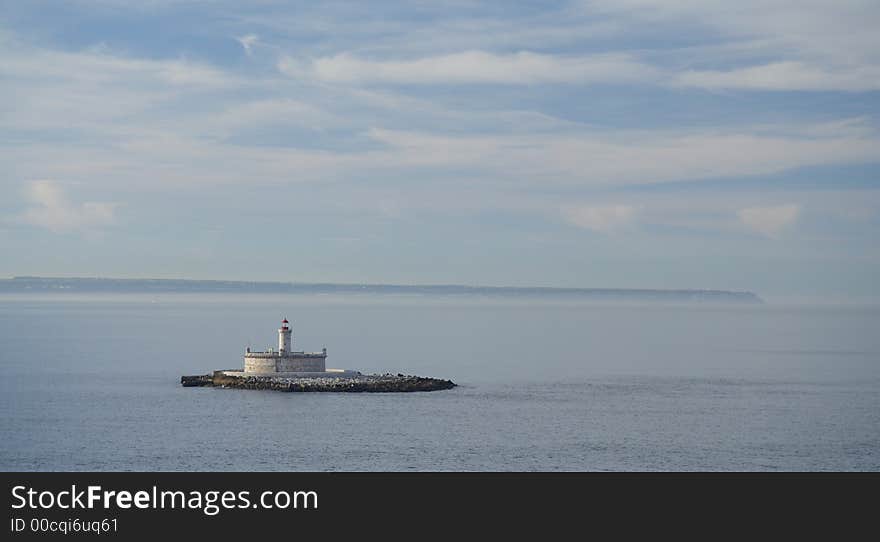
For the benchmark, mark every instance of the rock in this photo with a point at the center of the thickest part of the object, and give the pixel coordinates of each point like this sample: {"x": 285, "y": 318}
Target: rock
{"x": 196, "y": 380}
{"x": 386, "y": 383}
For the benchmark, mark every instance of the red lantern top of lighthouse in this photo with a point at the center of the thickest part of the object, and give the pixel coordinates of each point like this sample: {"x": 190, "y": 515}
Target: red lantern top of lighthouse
{"x": 284, "y": 323}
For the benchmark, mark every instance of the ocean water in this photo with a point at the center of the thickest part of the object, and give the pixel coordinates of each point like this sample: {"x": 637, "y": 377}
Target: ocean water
{"x": 91, "y": 382}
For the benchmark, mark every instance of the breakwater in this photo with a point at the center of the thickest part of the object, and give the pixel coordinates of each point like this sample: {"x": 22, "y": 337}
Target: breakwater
{"x": 361, "y": 383}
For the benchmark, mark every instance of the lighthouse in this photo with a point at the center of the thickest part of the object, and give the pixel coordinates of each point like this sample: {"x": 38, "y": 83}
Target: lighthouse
{"x": 284, "y": 338}
{"x": 285, "y": 359}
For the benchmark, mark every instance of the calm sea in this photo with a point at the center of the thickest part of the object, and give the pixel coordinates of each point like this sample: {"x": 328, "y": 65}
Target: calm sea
{"x": 92, "y": 383}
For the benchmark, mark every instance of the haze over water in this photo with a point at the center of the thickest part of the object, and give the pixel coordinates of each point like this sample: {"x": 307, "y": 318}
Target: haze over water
{"x": 92, "y": 383}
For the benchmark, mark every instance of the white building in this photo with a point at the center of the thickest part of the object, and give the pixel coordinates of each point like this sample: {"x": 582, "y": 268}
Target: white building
{"x": 286, "y": 359}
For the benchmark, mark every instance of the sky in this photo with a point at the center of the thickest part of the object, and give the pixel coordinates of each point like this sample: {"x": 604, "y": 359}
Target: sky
{"x": 607, "y": 143}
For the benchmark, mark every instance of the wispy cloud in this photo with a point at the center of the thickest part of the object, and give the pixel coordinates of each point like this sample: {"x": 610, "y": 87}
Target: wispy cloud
{"x": 784, "y": 76}
{"x": 758, "y": 46}
{"x": 98, "y": 91}
{"x": 840, "y": 31}
{"x": 603, "y": 218}
{"x": 644, "y": 157}
{"x": 100, "y": 67}
{"x": 764, "y": 45}
{"x": 271, "y": 112}
{"x": 248, "y": 42}
{"x": 473, "y": 67}
{"x": 50, "y": 208}
{"x": 529, "y": 68}
{"x": 769, "y": 221}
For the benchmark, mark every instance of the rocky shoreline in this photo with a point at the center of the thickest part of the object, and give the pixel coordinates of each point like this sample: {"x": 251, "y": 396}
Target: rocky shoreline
{"x": 362, "y": 383}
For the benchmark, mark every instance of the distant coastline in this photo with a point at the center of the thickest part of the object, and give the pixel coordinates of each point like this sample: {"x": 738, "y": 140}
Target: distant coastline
{"x": 30, "y": 284}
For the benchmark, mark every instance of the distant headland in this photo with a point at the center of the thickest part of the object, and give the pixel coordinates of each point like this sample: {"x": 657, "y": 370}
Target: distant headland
{"x": 29, "y": 284}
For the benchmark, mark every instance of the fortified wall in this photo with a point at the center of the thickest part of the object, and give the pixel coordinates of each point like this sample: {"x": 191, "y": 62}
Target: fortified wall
{"x": 272, "y": 362}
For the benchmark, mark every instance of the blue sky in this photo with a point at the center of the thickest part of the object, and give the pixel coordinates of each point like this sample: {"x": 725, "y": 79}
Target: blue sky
{"x": 626, "y": 143}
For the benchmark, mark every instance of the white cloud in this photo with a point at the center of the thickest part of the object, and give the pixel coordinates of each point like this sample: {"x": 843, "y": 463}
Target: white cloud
{"x": 813, "y": 45}
{"x": 473, "y": 67}
{"x": 769, "y": 221}
{"x": 97, "y": 92}
{"x": 784, "y": 76}
{"x": 247, "y": 42}
{"x": 603, "y": 219}
{"x": 51, "y": 209}
{"x": 529, "y": 68}
{"x": 127, "y": 119}
{"x": 263, "y": 113}
{"x": 596, "y": 158}
{"x": 100, "y": 68}
{"x": 154, "y": 154}
{"x": 838, "y": 32}
{"x": 767, "y": 45}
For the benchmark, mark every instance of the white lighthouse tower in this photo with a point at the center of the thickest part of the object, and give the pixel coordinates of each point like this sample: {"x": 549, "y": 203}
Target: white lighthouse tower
{"x": 284, "y": 338}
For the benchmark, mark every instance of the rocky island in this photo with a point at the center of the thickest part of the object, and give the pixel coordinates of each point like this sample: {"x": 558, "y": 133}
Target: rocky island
{"x": 290, "y": 370}
{"x": 303, "y": 382}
